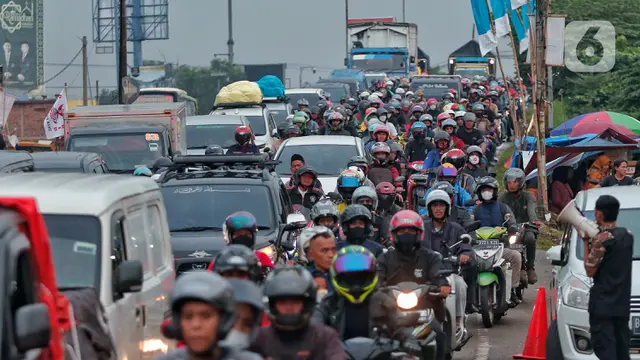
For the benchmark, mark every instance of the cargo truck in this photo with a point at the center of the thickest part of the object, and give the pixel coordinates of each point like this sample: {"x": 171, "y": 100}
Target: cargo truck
{"x": 127, "y": 136}
{"x": 382, "y": 45}
{"x": 468, "y": 62}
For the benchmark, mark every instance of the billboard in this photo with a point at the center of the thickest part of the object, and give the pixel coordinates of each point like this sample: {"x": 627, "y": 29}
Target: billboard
{"x": 21, "y": 25}
{"x": 257, "y": 71}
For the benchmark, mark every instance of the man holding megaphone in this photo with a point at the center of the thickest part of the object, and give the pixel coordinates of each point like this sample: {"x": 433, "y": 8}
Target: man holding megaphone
{"x": 609, "y": 262}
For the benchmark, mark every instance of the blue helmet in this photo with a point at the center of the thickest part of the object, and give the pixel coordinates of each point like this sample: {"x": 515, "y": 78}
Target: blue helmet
{"x": 418, "y": 125}
{"x": 142, "y": 171}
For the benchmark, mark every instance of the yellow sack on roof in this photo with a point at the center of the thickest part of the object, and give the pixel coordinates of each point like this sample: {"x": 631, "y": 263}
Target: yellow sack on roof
{"x": 239, "y": 92}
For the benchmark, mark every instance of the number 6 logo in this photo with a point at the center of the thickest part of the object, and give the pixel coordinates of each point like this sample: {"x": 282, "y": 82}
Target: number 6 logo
{"x": 590, "y": 46}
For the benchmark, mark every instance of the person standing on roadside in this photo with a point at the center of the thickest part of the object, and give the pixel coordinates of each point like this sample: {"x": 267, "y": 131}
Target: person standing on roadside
{"x": 609, "y": 262}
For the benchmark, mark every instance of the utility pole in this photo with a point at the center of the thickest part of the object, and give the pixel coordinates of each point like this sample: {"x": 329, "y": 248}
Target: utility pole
{"x": 404, "y": 10}
{"x": 85, "y": 73}
{"x": 538, "y": 59}
{"x": 346, "y": 26}
{"x": 122, "y": 59}
{"x": 230, "y": 42}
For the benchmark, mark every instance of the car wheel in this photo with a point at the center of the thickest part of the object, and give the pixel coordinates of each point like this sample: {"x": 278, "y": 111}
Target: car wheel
{"x": 554, "y": 348}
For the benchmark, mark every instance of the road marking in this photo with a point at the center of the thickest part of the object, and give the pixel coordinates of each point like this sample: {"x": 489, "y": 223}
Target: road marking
{"x": 484, "y": 345}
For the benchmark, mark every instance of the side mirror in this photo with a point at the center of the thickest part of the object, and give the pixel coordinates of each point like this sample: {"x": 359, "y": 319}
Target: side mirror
{"x": 422, "y": 202}
{"x": 469, "y": 202}
{"x": 168, "y": 329}
{"x": 465, "y": 238}
{"x": 554, "y": 254}
{"x": 295, "y": 222}
{"x": 274, "y": 132}
{"x": 129, "y": 277}
{"x": 507, "y": 217}
{"x": 493, "y": 175}
{"x": 32, "y": 327}
{"x": 266, "y": 149}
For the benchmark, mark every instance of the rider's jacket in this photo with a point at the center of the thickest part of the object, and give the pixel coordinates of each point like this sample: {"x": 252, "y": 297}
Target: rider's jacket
{"x": 492, "y": 213}
{"x": 469, "y": 138}
{"x": 183, "y": 354}
{"x": 370, "y": 245}
{"x": 420, "y": 267}
{"x": 417, "y": 150}
{"x": 445, "y": 237}
{"x": 329, "y": 131}
{"x": 308, "y": 199}
{"x": 311, "y": 128}
{"x": 317, "y": 273}
{"x": 433, "y": 159}
{"x": 523, "y": 205}
{"x": 474, "y": 171}
{"x": 369, "y": 144}
{"x": 316, "y": 342}
{"x": 461, "y": 216}
{"x": 332, "y": 312}
{"x": 236, "y": 149}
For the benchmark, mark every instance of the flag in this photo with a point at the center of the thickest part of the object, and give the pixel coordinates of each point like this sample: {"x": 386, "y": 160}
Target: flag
{"x": 499, "y": 8}
{"x": 54, "y": 121}
{"x": 486, "y": 38}
{"x": 522, "y": 30}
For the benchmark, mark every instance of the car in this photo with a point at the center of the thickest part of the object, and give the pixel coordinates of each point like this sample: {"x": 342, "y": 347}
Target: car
{"x": 279, "y": 109}
{"x": 312, "y": 95}
{"x": 568, "y": 298}
{"x": 205, "y": 130}
{"x": 435, "y": 86}
{"x": 69, "y": 162}
{"x": 328, "y": 155}
{"x": 201, "y": 191}
{"x": 336, "y": 90}
{"x": 259, "y": 118}
{"x": 109, "y": 233}
{"x": 353, "y": 84}
{"x": 15, "y": 161}
{"x": 374, "y": 78}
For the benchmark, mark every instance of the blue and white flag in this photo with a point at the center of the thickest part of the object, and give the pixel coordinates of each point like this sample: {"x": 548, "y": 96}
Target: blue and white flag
{"x": 522, "y": 30}
{"x": 486, "y": 38}
{"x": 499, "y": 8}
{"x": 516, "y": 4}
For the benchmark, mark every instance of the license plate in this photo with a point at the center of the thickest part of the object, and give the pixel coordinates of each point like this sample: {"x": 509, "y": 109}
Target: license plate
{"x": 489, "y": 242}
{"x": 635, "y": 325}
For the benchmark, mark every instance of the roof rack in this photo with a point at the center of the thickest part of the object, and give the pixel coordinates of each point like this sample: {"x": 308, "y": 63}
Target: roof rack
{"x": 241, "y": 166}
{"x": 279, "y": 99}
{"x": 237, "y": 105}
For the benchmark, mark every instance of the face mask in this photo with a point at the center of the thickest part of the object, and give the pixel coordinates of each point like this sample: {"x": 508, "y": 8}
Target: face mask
{"x": 474, "y": 160}
{"x": 245, "y": 240}
{"x": 419, "y": 135}
{"x": 385, "y": 202}
{"x": 356, "y": 236}
{"x": 432, "y": 107}
{"x": 238, "y": 340}
{"x": 487, "y": 195}
{"x": 368, "y": 206}
{"x": 406, "y": 243}
{"x": 383, "y": 118}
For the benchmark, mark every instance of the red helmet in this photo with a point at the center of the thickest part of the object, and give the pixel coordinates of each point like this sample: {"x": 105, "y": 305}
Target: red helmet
{"x": 442, "y": 117}
{"x": 243, "y": 135}
{"x": 453, "y": 91}
{"x": 432, "y": 101}
{"x": 455, "y": 107}
{"x": 385, "y": 188}
{"x": 406, "y": 219}
{"x": 382, "y": 129}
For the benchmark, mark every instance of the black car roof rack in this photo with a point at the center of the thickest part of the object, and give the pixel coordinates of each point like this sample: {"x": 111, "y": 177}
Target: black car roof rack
{"x": 237, "y": 105}
{"x": 239, "y": 166}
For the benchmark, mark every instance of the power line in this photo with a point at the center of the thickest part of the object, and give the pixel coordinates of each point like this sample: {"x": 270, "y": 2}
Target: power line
{"x": 65, "y": 68}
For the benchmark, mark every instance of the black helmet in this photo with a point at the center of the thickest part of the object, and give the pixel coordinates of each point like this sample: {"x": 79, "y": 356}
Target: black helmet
{"x": 323, "y": 209}
{"x": 352, "y": 213}
{"x": 444, "y": 186}
{"x": 514, "y": 174}
{"x": 303, "y": 102}
{"x": 292, "y": 130}
{"x": 322, "y": 105}
{"x": 315, "y": 109}
{"x": 487, "y": 181}
{"x": 441, "y": 135}
{"x": 237, "y": 257}
{"x": 364, "y": 105}
{"x": 205, "y": 287}
{"x": 382, "y": 111}
{"x": 358, "y": 161}
{"x": 214, "y": 150}
{"x": 353, "y": 102}
{"x": 305, "y": 170}
{"x": 286, "y": 283}
{"x": 247, "y": 292}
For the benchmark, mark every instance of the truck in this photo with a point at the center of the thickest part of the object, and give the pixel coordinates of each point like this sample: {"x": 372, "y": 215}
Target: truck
{"x": 383, "y": 46}
{"x": 468, "y": 62}
{"x": 127, "y": 136}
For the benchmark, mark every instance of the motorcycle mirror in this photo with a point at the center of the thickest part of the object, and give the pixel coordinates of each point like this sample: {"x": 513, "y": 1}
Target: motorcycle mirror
{"x": 465, "y": 238}
{"x": 469, "y": 202}
{"x": 422, "y": 202}
{"x": 507, "y": 217}
{"x": 287, "y": 246}
{"x": 493, "y": 175}
{"x": 473, "y": 226}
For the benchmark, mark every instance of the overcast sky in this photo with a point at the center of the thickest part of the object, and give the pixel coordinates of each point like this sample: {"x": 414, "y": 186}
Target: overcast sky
{"x": 298, "y": 32}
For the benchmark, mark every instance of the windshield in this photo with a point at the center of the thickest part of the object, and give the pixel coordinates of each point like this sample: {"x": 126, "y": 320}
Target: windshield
{"x": 122, "y": 152}
{"x": 626, "y": 218}
{"x": 75, "y": 247}
{"x": 201, "y": 136}
{"x": 337, "y": 92}
{"x": 378, "y": 62}
{"x": 471, "y": 71}
{"x": 374, "y": 79}
{"x": 433, "y": 89}
{"x": 257, "y": 124}
{"x": 311, "y": 98}
{"x": 326, "y": 159}
{"x": 206, "y": 206}
{"x": 60, "y": 170}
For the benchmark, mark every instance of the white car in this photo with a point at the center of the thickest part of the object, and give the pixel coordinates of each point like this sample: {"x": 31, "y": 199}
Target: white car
{"x": 205, "y": 130}
{"x": 279, "y": 110}
{"x": 312, "y": 95}
{"x": 568, "y": 298}
{"x": 261, "y": 121}
{"x": 328, "y": 155}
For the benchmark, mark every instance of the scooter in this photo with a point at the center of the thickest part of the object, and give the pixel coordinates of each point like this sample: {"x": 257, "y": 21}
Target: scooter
{"x": 516, "y": 243}
{"x": 416, "y": 185}
{"x": 494, "y": 273}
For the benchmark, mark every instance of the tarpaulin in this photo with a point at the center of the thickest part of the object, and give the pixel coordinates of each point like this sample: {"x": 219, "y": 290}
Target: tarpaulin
{"x": 239, "y": 92}
{"x": 271, "y": 86}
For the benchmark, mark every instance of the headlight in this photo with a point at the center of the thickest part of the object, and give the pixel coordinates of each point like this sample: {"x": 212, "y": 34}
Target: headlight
{"x": 575, "y": 293}
{"x": 270, "y": 251}
{"x": 513, "y": 239}
{"x": 407, "y": 301}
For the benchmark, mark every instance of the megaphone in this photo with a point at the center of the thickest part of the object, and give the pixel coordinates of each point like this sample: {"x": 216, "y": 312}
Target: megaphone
{"x": 570, "y": 214}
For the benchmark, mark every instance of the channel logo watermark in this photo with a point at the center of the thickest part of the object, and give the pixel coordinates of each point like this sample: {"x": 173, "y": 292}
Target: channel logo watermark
{"x": 590, "y": 46}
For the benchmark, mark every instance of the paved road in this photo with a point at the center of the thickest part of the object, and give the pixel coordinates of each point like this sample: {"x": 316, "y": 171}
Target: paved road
{"x": 507, "y": 337}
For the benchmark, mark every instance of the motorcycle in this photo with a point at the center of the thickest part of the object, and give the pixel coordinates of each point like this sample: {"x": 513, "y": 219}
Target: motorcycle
{"x": 516, "y": 243}
{"x": 417, "y": 185}
{"x": 384, "y": 344}
{"x": 494, "y": 273}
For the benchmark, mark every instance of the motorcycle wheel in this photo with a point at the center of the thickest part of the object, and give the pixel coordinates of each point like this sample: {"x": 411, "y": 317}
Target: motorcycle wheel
{"x": 486, "y": 306}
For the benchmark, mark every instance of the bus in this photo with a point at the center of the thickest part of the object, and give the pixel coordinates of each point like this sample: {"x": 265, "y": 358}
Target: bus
{"x": 160, "y": 95}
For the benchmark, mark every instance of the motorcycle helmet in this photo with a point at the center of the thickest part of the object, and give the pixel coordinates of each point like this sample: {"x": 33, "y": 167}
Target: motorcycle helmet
{"x": 374, "y": 99}
{"x": 336, "y": 117}
{"x": 205, "y": 287}
{"x": 360, "y": 162}
{"x": 399, "y": 91}
{"x": 459, "y": 114}
{"x": 381, "y": 129}
{"x": 514, "y": 175}
{"x": 304, "y": 170}
{"x": 365, "y": 196}
{"x": 438, "y": 196}
{"x": 243, "y": 135}
{"x": 247, "y": 292}
{"x": 352, "y": 102}
{"x": 292, "y": 282}
{"x": 470, "y": 117}
{"x": 348, "y": 182}
{"x": 304, "y": 240}
{"x": 235, "y": 259}
{"x": 361, "y": 176}
{"x": 292, "y": 131}
{"x": 383, "y": 114}
{"x": 380, "y": 152}
{"x": 214, "y": 150}
{"x": 299, "y": 118}
{"x": 426, "y": 117}
{"x": 474, "y": 155}
{"x": 418, "y": 130}
{"x": 303, "y": 102}
{"x": 406, "y": 104}
{"x": 477, "y": 107}
{"x": 350, "y": 214}
{"x": 238, "y": 221}
{"x": 386, "y": 195}
{"x": 455, "y": 157}
{"x": 450, "y": 113}
{"x": 322, "y": 105}
{"x": 449, "y": 123}
{"x": 417, "y": 109}
{"x": 442, "y": 139}
{"x": 446, "y": 187}
{"x": 406, "y": 242}
{"x": 143, "y": 171}
{"x": 322, "y": 210}
{"x": 447, "y": 172}
{"x": 442, "y": 117}
{"x": 354, "y": 274}
{"x": 364, "y": 95}
{"x": 484, "y": 183}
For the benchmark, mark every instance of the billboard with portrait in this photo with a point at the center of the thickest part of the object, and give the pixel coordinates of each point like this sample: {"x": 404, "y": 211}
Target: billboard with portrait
{"x": 21, "y": 26}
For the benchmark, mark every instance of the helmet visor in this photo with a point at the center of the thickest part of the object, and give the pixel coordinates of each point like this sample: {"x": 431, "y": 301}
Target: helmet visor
{"x": 448, "y": 172}
{"x": 349, "y": 182}
{"x": 353, "y": 263}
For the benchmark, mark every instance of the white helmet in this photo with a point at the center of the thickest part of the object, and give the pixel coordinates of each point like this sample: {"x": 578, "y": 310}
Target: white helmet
{"x": 409, "y": 93}
{"x": 305, "y": 239}
{"x": 364, "y": 95}
{"x": 389, "y": 83}
{"x": 399, "y": 91}
{"x": 450, "y": 112}
{"x": 459, "y": 114}
{"x": 439, "y": 196}
{"x": 361, "y": 175}
{"x": 378, "y": 94}
{"x": 374, "y": 99}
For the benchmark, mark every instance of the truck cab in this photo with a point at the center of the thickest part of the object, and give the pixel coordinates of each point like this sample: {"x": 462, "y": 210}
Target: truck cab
{"x": 468, "y": 62}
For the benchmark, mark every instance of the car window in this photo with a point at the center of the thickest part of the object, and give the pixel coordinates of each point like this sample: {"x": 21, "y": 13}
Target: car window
{"x": 326, "y": 159}
{"x": 200, "y": 136}
{"x": 136, "y": 238}
{"x": 257, "y": 124}
{"x": 23, "y": 291}
{"x": 156, "y": 237}
{"x": 626, "y": 218}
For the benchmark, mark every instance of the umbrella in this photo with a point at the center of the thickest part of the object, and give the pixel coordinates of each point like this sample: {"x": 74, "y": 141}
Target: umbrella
{"x": 602, "y": 116}
{"x": 598, "y": 127}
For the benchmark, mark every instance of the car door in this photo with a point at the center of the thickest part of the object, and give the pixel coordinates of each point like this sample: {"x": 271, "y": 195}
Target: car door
{"x": 556, "y": 272}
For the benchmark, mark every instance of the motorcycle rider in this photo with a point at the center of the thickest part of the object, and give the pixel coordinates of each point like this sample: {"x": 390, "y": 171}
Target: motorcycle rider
{"x": 383, "y": 116}
{"x": 523, "y": 204}
{"x": 492, "y": 212}
{"x": 237, "y": 262}
{"x": 347, "y": 183}
{"x": 367, "y": 197}
{"x": 380, "y": 134}
{"x": 468, "y": 134}
{"x": 303, "y": 192}
{"x": 442, "y": 140}
{"x": 473, "y": 165}
{"x": 243, "y": 145}
{"x": 321, "y": 249}
{"x": 409, "y": 261}
{"x": 440, "y": 235}
{"x": 302, "y": 104}
{"x": 356, "y": 225}
{"x": 325, "y": 213}
{"x": 458, "y": 159}
{"x": 292, "y": 297}
{"x": 249, "y": 314}
{"x": 203, "y": 313}
{"x": 450, "y": 126}
{"x": 381, "y": 170}
{"x": 418, "y": 147}
{"x": 362, "y": 164}
{"x": 458, "y": 214}
{"x": 447, "y": 172}
{"x": 240, "y": 228}
{"x": 304, "y": 122}
{"x": 387, "y": 194}
{"x": 336, "y": 125}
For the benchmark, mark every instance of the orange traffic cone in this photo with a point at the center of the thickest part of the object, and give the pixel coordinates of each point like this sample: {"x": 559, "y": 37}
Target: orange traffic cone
{"x": 535, "y": 347}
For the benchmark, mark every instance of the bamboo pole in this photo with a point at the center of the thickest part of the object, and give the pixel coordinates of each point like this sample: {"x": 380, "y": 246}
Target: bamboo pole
{"x": 520, "y": 92}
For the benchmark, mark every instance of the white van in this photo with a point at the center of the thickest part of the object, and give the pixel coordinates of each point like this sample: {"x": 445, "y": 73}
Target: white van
{"x": 109, "y": 232}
